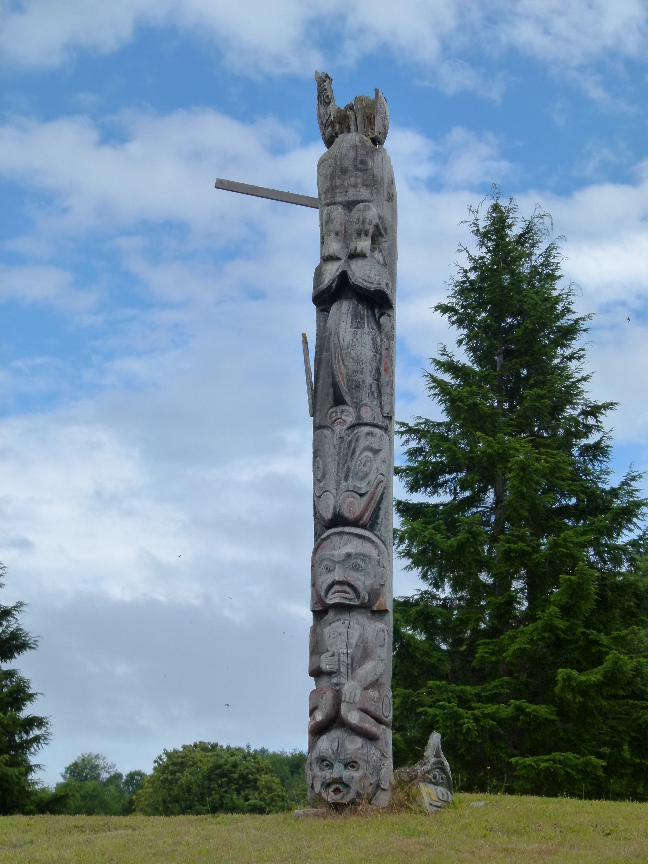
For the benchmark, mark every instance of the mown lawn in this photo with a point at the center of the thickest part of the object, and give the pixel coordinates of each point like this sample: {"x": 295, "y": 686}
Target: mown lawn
{"x": 506, "y": 829}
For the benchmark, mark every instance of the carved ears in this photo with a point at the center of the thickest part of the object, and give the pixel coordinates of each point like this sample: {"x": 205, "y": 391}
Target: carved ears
{"x": 325, "y": 107}
{"x": 382, "y": 118}
{"x": 369, "y": 116}
{"x": 433, "y": 749}
{"x": 434, "y": 752}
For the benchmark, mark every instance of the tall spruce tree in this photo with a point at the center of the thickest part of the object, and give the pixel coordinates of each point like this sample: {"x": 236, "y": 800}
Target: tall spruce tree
{"x": 528, "y": 646}
{"x": 21, "y": 734}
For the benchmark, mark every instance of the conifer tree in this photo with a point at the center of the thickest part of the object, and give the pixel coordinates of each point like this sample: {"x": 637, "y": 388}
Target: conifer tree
{"x": 527, "y": 648}
{"x": 21, "y": 734}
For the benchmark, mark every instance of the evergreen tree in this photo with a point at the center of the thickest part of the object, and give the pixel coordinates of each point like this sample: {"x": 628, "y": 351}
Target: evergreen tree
{"x": 21, "y": 734}
{"x": 528, "y": 646}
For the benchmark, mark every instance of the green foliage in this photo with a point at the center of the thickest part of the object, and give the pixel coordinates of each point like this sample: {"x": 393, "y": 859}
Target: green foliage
{"x": 89, "y": 767}
{"x": 290, "y": 769}
{"x": 209, "y": 778}
{"x": 21, "y": 734}
{"x": 46, "y": 801}
{"x": 528, "y": 646}
{"x": 93, "y": 787}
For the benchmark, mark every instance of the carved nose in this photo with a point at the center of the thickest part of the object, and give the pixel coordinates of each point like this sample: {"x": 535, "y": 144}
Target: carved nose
{"x": 338, "y": 772}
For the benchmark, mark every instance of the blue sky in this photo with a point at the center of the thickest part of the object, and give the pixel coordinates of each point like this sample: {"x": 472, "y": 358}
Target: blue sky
{"x": 154, "y": 433}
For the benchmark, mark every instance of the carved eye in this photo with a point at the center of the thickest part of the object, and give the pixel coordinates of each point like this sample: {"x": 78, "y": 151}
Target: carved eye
{"x": 364, "y": 465}
{"x": 326, "y": 99}
{"x": 357, "y": 565}
{"x": 352, "y": 766}
{"x": 325, "y": 765}
{"x": 435, "y": 777}
{"x": 326, "y": 568}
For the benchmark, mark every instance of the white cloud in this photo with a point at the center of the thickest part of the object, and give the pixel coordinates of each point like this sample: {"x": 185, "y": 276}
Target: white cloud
{"x": 294, "y": 36}
{"x": 43, "y": 284}
{"x": 460, "y": 159}
{"x": 163, "y": 170}
{"x": 570, "y": 33}
{"x": 156, "y": 492}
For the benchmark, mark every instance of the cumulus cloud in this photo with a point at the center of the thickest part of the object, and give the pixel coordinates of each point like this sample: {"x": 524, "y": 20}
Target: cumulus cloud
{"x": 43, "y": 284}
{"x": 444, "y": 38}
{"x": 572, "y": 33}
{"x": 163, "y": 168}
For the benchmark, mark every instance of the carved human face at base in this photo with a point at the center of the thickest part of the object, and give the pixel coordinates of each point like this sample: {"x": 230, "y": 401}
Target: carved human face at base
{"x": 348, "y": 569}
{"x": 343, "y": 767}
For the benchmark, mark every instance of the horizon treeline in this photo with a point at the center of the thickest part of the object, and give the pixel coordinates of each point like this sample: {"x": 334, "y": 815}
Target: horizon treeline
{"x": 195, "y": 779}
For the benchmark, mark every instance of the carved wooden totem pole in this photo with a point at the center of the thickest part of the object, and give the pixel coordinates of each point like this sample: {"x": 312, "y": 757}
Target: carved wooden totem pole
{"x": 352, "y": 404}
{"x": 354, "y": 288}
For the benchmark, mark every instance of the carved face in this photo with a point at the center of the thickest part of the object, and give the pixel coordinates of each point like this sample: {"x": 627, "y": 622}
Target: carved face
{"x": 325, "y": 107}
{"x": 364, "y": 463}
{"x": 438, "y": 778}
{"x": 343, "y": 767}
{"x": 349, "y": 475}
{"x": 348, "y": 569}
{"x": 434, "y": 788}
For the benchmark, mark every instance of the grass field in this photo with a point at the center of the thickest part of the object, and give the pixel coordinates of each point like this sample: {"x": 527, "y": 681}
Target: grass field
{"x": 506, "y": 829}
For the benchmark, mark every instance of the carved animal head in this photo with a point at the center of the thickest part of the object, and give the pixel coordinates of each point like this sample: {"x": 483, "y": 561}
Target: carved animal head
{"x": 349, "y": 568}
{"x": 434, "y": 788}
{"x": 325, "y": 107}
{"x": 368, "y": 116}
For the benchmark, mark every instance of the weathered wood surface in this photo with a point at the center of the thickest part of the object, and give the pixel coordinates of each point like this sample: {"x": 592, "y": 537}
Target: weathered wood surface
{"x": 264, "y": 192}
{"x": 309, "y": 374}
{"x": 354, "y": 289}
{"x": 430, "y": 780}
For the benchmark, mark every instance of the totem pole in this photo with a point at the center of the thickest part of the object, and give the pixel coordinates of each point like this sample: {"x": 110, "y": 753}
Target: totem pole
{"x": 354, "y": 287}
{"x": 352, "y": 405}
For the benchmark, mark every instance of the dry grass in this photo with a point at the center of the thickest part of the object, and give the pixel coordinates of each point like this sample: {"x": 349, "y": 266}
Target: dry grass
{"x": 507, "y": 829}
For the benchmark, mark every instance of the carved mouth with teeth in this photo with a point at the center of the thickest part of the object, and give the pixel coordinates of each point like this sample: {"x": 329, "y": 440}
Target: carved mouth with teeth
{"x": 342, "y": 592}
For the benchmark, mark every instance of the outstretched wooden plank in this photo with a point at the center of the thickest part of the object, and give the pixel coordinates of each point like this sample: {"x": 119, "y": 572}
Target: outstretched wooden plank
{"x": 263, "y": 192}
